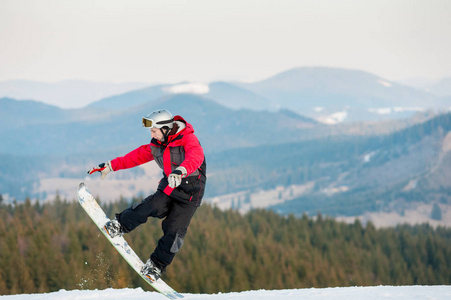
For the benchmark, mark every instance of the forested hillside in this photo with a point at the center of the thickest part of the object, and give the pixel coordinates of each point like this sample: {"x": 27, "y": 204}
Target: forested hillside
{"x": 47, "y": 247}
{"x": 350, "y": 175}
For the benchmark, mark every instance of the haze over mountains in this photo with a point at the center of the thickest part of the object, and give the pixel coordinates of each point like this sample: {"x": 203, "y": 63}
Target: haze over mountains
{"x": 326, "y": 94}
{"x": 64, "y": 94}
{"x": 267, "y": 143}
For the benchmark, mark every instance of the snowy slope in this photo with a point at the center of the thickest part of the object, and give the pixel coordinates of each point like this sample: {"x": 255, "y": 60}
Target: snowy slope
{"x": 350, "y": 293}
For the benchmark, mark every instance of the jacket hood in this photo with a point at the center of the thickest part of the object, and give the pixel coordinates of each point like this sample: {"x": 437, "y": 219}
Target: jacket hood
{"x": 188, "y": 127}
{"x": 176, "y": 138}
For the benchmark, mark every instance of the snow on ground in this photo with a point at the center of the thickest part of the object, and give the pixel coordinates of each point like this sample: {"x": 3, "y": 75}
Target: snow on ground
{"x": 348, "y": 293}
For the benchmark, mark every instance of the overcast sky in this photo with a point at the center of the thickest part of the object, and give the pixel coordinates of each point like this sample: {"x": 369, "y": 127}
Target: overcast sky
{"x": 207, "y": 40}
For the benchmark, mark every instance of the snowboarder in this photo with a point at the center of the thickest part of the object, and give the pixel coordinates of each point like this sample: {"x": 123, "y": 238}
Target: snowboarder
{"x": 177, "y": 151}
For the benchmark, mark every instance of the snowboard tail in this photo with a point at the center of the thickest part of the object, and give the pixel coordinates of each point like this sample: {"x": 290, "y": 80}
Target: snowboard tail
{"x": 99, "y": 217}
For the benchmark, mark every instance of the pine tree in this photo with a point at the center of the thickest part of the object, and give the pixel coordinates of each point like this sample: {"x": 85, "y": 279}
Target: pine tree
{"x": 436, "y": 213}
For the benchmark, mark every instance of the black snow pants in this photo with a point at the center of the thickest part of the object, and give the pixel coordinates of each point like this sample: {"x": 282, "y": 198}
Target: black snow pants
{"x": 177, "y": 216}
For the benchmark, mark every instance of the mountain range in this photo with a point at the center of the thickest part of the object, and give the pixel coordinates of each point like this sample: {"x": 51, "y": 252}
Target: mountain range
{"x": 328, "y": 95}
{"x": 272, "y": 135}
{"x": 441, "y": 87}
{"x": 56, "y": 131}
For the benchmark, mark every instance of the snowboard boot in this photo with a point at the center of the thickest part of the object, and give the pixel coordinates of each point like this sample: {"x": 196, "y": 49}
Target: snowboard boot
{"x": 151, "y": 271}
{"x": 114, "y": 228}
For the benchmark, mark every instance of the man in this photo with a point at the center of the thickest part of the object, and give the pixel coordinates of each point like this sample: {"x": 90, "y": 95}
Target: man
{"x": 177, "y": 151}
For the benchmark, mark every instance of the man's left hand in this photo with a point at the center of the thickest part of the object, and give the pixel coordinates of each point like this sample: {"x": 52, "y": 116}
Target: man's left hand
{"x": 175, "y": 178}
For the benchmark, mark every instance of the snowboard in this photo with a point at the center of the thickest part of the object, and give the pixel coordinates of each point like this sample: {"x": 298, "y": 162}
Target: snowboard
{"x": 99, "y": 217}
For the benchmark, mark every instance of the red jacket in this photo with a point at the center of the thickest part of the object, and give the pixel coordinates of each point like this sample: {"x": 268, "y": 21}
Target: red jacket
{"x": 182, "y": 149}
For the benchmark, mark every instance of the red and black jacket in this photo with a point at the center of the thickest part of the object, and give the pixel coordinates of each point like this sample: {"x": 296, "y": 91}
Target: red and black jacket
{"x": 182, "y": 149}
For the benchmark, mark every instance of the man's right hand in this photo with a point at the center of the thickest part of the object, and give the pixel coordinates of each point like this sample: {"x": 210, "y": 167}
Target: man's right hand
{"x": 103, "y": 168}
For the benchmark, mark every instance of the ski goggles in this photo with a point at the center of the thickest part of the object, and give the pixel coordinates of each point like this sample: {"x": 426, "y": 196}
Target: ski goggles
{"x": 148, "y": 122}
{"x": 151, "y": 123}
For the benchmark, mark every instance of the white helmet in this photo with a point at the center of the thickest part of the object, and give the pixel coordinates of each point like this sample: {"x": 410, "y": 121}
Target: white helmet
{"x": 159, "y": 119}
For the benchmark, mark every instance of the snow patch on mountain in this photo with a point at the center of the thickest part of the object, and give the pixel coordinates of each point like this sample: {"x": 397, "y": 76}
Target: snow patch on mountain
{"x": 384, "y": 83}
{"x": 398, "y": 109}
{"x": 188, "y": 88}
{"x": 334, "y": 118}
